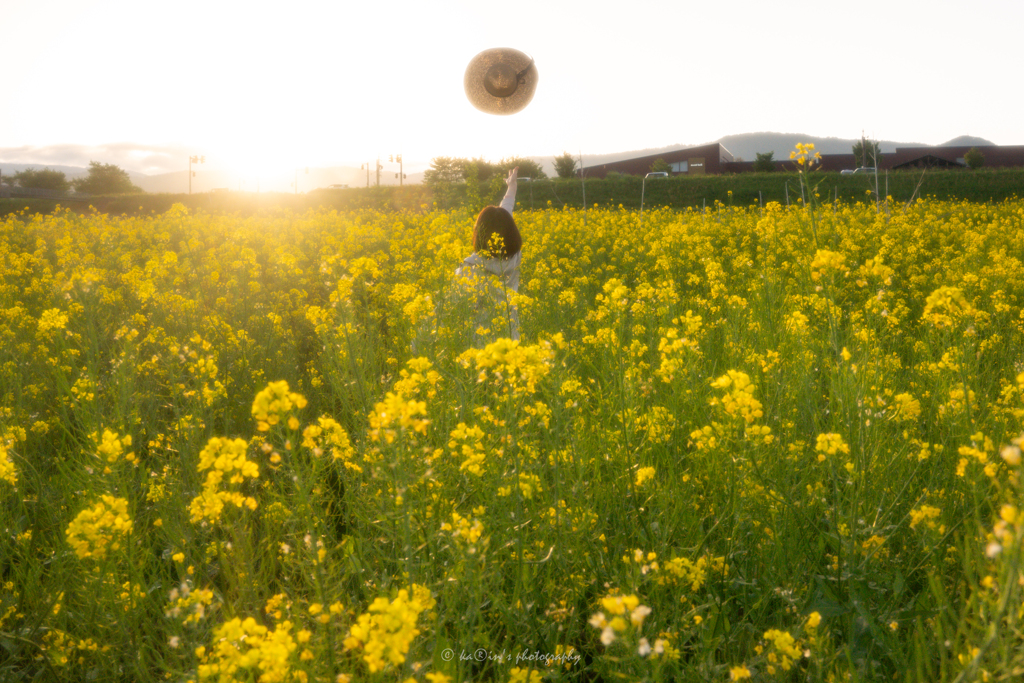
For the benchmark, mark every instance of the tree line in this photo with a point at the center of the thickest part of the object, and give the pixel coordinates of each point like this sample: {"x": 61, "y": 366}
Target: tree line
{"x": 482, "y": 179}
{"x": 101, "y": 179}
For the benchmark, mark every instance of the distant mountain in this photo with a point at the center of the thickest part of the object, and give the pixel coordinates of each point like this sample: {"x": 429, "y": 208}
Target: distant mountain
{"x": 748, "y": 145}
{"x": 967, "y": 141}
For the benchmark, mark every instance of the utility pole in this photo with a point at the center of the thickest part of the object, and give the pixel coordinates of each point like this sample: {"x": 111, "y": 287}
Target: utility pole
{"x": 378, "y": 171}
{"x": 191, "y": 173}
{"x": 367, "y": 167}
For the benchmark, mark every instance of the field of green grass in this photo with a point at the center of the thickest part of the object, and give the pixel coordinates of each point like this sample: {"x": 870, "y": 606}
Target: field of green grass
{"x": 776, "y": 444}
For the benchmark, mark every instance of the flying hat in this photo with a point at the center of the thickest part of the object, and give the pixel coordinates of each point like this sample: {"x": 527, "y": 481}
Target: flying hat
{"x": 500, "y": 81}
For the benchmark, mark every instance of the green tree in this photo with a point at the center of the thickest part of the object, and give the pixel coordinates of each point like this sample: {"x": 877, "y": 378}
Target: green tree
{"x": 442, "y": 177}
{"x": 867, "y": 153}
{"x": 105, "y": 179}
{"x": 565, "y": 165}
{"x": 485, "y": 170}
{"x": 43, "y": 179}
{"x": 661, "y": 166}
{"x": 765, "y": 162}
{"x": 445, "y": 170}
{"x": 974, "y": 158}
{"x": 528, "y": 168}
{"x": 474, "y": 184}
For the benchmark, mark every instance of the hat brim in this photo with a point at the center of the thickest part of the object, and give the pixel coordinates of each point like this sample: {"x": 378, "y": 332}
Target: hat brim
{"x": 476, "y": 74}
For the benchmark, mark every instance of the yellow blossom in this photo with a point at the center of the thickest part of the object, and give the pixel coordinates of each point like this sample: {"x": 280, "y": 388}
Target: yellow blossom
{"x": 100, "y": 528}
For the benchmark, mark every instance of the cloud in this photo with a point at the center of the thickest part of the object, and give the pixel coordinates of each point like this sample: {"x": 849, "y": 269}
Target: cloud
{"x": 147, "y": 159}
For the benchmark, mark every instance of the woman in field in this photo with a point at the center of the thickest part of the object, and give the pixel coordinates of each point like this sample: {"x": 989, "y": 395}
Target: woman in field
{"x": 490, "y": 275}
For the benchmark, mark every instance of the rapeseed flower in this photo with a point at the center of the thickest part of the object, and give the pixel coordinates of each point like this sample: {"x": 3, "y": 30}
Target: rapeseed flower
{"x": 826, "y": 262}
{"x": 100, "y": 528}
{"x": 275, "y": 403}
{"x": 328, "y": 434}
{"x": 519, "y": 675}
{"x": 192, "y": 604}
{"x": 467, "y": 530}
{"x": 680, "y": 570}
{"x": 625, "y": 610}
{"x": 927, "y": 515}
{"x": 384, "y": 633}
{"x": 246, "y": 644}
{"x": 111, "y": 448}
{"x": 52, "y": 320}
{"x": 945, "y": 306}
{"x": 396, "y": 411}
{"x": 643, "y": 474}
{"x": 785, "y": 648}
{"x": 905, "y": 407}
{"x": 804, "y": 155}
{"x": 511, "y": 365}
{"x": 227, "y": 467}
{"x": 467, "y": 442}
{"x": 738, "y": 399}
{"x": 830, "y": 444}
{"x": 8, "y": 472}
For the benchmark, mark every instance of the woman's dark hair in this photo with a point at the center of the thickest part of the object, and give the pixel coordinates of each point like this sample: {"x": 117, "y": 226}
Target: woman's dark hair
{"x": 494, "y": 220}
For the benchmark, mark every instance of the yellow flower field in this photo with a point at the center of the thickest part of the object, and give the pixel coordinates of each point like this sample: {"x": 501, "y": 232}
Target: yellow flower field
{"x": 775, "y": 443}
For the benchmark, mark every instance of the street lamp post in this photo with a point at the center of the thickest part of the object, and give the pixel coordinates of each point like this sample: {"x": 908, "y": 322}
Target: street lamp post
{"x": 530, "y": 181}
{"x": 643, "y": 185}
{"x": 296, "y": 184}
{"x": 191, "y": 173}
{"x": 401, "y": 172}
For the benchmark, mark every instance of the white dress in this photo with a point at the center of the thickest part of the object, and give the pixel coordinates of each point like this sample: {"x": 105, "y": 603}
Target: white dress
{"x": 490, "y": 282}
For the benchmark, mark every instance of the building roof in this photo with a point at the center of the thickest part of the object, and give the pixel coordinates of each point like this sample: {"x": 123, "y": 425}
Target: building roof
{"x": 714, "y": 155}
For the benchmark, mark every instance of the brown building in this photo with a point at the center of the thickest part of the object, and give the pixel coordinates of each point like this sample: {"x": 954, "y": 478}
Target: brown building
{"x": 714, "y": 159}
{"x": 907, "y": 158}
{"x": 706, "y": 159}
{"x": 996, "y": 156}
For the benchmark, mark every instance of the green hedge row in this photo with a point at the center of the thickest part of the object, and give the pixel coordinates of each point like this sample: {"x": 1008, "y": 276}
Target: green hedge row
{"x": 749, "y": 188}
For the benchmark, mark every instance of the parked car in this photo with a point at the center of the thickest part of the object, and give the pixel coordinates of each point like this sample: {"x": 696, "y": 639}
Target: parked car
{"x": 857, "y": 171}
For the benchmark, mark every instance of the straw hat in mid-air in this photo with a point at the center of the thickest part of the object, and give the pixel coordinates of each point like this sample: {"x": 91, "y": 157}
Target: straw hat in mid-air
{"x": 501, "y": 81}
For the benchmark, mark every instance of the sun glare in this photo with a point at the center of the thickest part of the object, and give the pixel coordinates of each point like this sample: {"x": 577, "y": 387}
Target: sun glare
{"x": 253, "y": 163}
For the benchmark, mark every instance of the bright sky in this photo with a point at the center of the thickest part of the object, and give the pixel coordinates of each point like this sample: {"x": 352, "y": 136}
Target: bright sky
{"x": 272, "y": 85}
